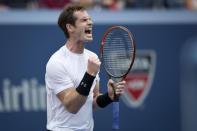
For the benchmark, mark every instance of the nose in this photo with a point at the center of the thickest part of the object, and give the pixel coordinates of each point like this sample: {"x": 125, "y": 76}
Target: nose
{"x": 90, "y": 22}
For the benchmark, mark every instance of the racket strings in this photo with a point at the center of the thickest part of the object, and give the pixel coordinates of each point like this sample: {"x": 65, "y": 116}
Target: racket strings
{"x": 117, "y": 52}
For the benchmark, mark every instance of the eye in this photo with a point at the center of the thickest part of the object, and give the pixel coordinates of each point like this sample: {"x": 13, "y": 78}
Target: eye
{"x": 84, "y": 20}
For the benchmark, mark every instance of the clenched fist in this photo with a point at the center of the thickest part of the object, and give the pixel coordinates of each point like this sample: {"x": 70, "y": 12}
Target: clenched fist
{"x": 93, "y": 66}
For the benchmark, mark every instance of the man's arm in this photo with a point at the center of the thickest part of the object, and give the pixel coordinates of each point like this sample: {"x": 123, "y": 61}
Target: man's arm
{"x": 74, "y": 98}
{"x": 71, "y": 99}
{"x": 96, "y": 92}
{"x": 102, "y": 100}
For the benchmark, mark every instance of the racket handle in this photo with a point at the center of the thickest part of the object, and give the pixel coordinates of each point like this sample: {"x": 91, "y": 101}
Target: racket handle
{"x": 115, "y": 115}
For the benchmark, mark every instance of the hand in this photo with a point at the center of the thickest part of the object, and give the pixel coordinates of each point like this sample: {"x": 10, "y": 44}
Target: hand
{"x": 115, "y": 88}
{"x": 93, "y": 66}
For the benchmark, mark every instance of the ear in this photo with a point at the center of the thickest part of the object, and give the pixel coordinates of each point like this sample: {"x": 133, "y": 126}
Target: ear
{"x": 69, "y": 28}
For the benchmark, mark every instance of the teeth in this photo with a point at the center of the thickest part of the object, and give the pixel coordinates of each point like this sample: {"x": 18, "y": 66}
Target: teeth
{"x": 88, "y": 31}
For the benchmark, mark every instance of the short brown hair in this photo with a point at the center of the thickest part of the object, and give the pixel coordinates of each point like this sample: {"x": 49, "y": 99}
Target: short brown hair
{"x": 67, "y": 17}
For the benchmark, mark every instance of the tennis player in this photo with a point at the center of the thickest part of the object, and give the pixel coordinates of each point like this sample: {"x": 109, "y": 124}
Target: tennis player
{"x": 72, "y": 76}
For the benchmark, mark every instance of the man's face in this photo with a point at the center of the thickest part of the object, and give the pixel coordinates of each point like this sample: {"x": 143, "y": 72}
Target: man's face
{"x": 83, "y": 26}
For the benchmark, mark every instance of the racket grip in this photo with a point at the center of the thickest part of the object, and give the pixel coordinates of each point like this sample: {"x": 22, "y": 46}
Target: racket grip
{"x": 115, "y": 116}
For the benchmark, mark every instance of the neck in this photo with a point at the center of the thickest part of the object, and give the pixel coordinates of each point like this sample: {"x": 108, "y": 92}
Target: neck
{"x": 75, "y": 46}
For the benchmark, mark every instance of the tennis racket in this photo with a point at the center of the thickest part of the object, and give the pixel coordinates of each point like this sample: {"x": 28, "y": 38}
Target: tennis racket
{"x": 117, "y": 53}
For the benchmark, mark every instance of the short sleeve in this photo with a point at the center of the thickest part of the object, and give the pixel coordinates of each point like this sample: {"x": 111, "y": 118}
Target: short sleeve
{"x": 57, "y": 79}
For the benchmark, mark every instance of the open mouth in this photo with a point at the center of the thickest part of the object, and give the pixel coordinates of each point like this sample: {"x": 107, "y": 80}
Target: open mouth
{"x": 88, "y": 31}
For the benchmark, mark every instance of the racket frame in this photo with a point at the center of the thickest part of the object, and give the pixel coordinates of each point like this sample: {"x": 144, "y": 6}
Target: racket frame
{"x": 133, "y": 45}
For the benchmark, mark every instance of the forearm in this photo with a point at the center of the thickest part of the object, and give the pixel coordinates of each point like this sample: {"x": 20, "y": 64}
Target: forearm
{"x": 101, "y": 101}
{"x": 95, "y": 105}
{"x": 73, "y": 101}
{"x": 72, "y": 98}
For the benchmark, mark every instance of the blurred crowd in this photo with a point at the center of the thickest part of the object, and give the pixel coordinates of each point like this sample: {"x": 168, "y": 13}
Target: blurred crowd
{"x": 99, "y": 4}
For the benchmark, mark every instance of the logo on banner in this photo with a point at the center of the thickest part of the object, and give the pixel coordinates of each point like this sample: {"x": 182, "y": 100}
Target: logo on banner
{"x": 140, "y": 78}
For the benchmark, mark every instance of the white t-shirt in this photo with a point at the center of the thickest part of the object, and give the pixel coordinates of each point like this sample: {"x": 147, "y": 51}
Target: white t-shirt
{"x": 65, "y": 70}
